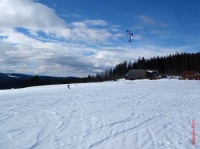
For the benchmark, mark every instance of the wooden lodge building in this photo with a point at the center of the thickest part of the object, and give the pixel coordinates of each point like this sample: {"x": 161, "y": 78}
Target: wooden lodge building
{"x": 141, "y": 74}
{"x": 190, "y": 75}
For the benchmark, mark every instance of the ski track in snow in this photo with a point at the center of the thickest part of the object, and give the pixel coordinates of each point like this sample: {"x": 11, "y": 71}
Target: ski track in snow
{"x": 140, "y": 114}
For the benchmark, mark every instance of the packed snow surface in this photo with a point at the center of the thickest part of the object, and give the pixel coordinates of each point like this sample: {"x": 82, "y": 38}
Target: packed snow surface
{"x": 142, "y": 114}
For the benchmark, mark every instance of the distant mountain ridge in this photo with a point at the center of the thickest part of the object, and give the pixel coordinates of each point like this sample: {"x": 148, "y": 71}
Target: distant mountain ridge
{"x": 15, "y": 75}
{"x": 20, "y": 75}
{"x": 17, "y": 80}
{"x": 3, "y": 75}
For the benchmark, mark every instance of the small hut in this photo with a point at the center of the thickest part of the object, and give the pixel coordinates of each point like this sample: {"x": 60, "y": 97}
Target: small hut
{"x": 135, "y": 74}
{"x": 151, "y": 74}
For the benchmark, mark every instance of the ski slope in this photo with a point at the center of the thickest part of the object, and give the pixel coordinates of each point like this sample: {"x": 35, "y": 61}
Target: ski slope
{"x": 141, "y": 114}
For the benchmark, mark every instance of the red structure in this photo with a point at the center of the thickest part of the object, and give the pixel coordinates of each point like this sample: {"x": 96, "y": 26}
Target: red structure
{"x": 191, "y": 75}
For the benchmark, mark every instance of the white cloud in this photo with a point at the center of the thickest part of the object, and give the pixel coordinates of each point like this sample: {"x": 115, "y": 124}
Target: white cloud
{"x": 147, "y": 20}
{"x": 96, "y": 22}
{"x": 74, "y": 15}
{"x": 81, "y": 51}
{"x": 162, "y": 24}
{"x": 84, "y": 33}
{"x": 27, "y": 14}
{"x": 54, "y": 4}
{"x": 155, "y": 32}
{"x": 37, "y": 17}
{"x": 137, "y": 27}
{"x": 137, "y": 37}
{"x": 61, "y": 59}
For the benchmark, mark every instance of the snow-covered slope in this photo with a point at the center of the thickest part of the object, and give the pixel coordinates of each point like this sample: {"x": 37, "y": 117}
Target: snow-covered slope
{"x": 13, "y": 76}
{"x": 141, "y": 114}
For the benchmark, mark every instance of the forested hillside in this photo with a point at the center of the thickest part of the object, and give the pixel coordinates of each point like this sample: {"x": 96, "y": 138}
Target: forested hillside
{"x": 173, "y": 64}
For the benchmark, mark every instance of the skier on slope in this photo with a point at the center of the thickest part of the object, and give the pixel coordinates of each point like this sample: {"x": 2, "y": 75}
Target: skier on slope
{"x": 68, "y": 86}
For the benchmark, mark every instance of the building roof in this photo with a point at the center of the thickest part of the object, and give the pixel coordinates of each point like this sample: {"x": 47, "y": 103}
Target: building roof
{"x": 151, "y": 71}
{"x": 136, "y": 73}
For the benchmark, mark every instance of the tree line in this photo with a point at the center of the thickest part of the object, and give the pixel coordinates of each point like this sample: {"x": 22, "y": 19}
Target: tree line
{"x": 39, "y": 80}
{"x": 173, "y": 64}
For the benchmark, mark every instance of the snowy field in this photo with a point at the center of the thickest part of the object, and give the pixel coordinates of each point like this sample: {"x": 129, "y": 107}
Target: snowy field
{"x": 122, "y": 114}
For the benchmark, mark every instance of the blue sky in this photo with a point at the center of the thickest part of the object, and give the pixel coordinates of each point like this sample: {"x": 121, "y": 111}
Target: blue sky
{"x": 85, "y": 37}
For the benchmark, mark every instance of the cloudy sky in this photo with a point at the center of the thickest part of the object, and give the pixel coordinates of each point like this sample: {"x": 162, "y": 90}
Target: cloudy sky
{"x": 85, "y": 37}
